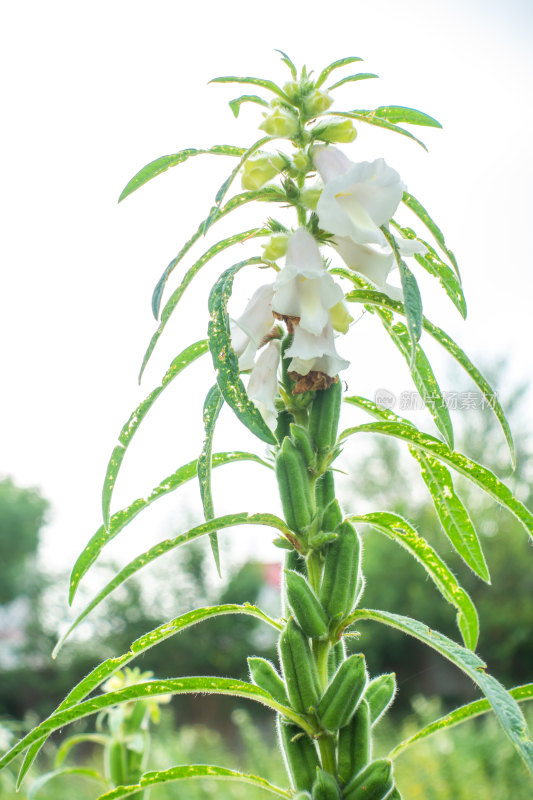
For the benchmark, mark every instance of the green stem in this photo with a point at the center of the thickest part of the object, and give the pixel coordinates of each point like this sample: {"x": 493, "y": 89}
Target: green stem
{"x": 326, "y": 745}
{"x": 314, "y": 570}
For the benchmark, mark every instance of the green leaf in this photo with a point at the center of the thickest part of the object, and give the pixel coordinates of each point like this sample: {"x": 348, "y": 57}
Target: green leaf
{"x": 342, "y": 62}
{"x": 163, "y": 163}
{"x": 504, "y": 705}
{"x": 42, "y": 780}
{"x": 185, "y": 358}
{"x": 380, "y": 412}
{"x": 226, "y": 362}
{"x": 380, "y": 299}
{"x": 286, "y": 60}
{"x": 227, "y": 521}
{"x": 377, "y": 122}
{"x": 462, "y": 714}
{"x": 396, "y": 114}
{"x": 411, "y": 294}
{"x": 150, "y": 689}
{"x": 479, "y": 475}
{"x": 265, "y": 84}
{"x": 361, "y": 76}
{"x": 72, "y": 741}
{"x": 452, "y": 514}
{"x": 121, "y": 518}
{"x": 245, "y": 156}
{"x": 236, "y": 104}
{"x": 399, "y": 530}
{"x": 189, "y": 772}
{"x": 213, "y": 403}
{"x": 418, "y": 209}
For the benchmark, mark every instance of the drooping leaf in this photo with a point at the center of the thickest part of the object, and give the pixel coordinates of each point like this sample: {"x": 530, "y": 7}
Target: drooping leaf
{"x": 361, "y": 76}
{"x": 29, "y": 758}
{"x": 478, "y": 474}
{"x": 268, "y": 194}
{"x": 236, "y": 104}
{"x": 379, "y": 299}
{"x": 411, "y": 294}
{"x": 181, "y": 361}
{"x": 121, "y": 518}
{"x": 163, "y": 163}
{"x": 226, "y": 521}
{"x": 342, "y": 62}
{"x": 451, "y": 512}
{"x": 265, "y": 84}
{"x": 245, "y": 156}
{"x": 81, "y": 738}
{"x": 212, "y": 405}
{"x": 378, "y": 122}
{"x": 462, "y": 714}
{"x": 226, "y": 362}
{"x": 504, "y": 705}
{"x": 400, "y": 531}
{"x": 418, "y": 209}
{"x": 397, "y": 114}
{"x": 286, "y": 60}
{"x": 42, "y": 780}
{"x": 188, "y": 773}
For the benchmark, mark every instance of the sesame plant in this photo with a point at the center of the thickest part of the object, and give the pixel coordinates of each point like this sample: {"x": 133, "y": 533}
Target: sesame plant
{"x": 332, "y": 246}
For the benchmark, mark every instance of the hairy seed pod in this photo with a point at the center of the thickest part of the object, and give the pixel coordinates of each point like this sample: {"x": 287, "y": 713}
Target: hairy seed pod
{"x": 299, "y": 668}
{"x": 324, "y": 418}
{"x": 355, "y": 744}
{"x": 301, "y": 440}
{"x": 325, "y": 787}
{"x": 294, "y": 488}
{"x": 116, "y": 762}
{"x": 332, "y": 517}
{"x": 336, "y": 656}
{"x": 380, "y": 694}
{"x": 283, "y": 429}
{"x": 325, "y": 489}
{"x": 300, "y": 755}
{"x": 374, "y": 782}
{"x": 265, "y": 675}
{"x": 342, "y": 696}
{"x": 340, "y": 577}
{"x": 305, "y": 606}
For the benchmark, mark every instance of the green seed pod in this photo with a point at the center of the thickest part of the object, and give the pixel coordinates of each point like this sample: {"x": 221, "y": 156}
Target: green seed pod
{"x": 116, "y": 763}
{"x": 325, "y": 787}
{"x": 355, "y": 744}
{"x": 336, "y": 656}
{"x": 136, "y": 718}
{"x": 374, "y": 782}
{"x": 301, "y": 440}
{"x": 325, "y": 489}
{"x": 305, "y": 606}
{"x": 299, "y": 668}
{"x": 324, "y": 418}
{"x": 338, "y": 590}
{"x": 300, "y": 754}
{"x": 294, "y": 488}
{"x": 332, "y": 516}
{"x": 395, "y": 794}
{"x": 283, "y": 425}
{"x": 265, "y": 675}
{"x": 380, "y": 694}
{"x": 340, "y": 699}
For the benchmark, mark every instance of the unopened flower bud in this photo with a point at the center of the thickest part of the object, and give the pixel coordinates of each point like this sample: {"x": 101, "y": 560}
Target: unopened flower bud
{"x": 257, "y": 171}
{"x": 292, "y": 90}
{"x": 340, "y": 317}
{"x": 310, "y": 197}
{"x": 301, "y": 162}
{"x": 337, "y": 132}
{"x": 280, "y": 123}
{"x": 276, "y": 247}
{"x": 317, "y": 102}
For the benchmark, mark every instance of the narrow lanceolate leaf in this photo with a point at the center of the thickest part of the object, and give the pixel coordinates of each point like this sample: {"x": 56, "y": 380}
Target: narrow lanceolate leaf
{"x": 451, "y": 512}
{"x": 73, "y": 741}
{"x": 121, "y": 518}
{"x": 361, "y": 76}
{"x": 342, "y": 62}
{"x": 396, "y": 114}
{"x": 188, "y": 772}
{"x": 185, "y": 358}
{"x": 42, "y": 780}
{"x": 418, "y": 209}
{"x": 226, "y": 362}
{"x": 411, "y": 294}
{"x": 503, "y": 704}
{"x": 286, "y": 60}
{"x": 379, "y": 412}
{"x": 378, "y": 122}
{"x": 163, "y": 163}
{"x": 373, "y": 298}
{"x": 227, "y": 521}
{"x": 265, "y": 84}
{"x": 236, "y": 104}
{"x": 400, "y": 531}
{"x": 245, "y": 156}
{"x": 479, "y": 475}
{"x": 150, "y": 689}
{"x": 462, "y": 714}
{"x": 213, "y": 404}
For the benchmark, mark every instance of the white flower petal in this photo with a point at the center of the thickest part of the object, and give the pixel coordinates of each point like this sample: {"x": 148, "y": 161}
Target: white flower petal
{"x": 310, "y": 352}
{"x": 408, "y": 247}
{"x": 374, "y": 263}
{"x": 330, "y": 162}
{"x": 263, "y": 382}
{"x": 248, "y": 331}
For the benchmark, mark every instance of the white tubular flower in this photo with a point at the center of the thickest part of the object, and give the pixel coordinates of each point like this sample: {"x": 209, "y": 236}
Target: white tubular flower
{"x": 263, "y": 382}
{"x": 357, "y": 198}
{"x": 249, "y": 330}
{"x": 304, "y": 288}
{"x": 312, "y": 353}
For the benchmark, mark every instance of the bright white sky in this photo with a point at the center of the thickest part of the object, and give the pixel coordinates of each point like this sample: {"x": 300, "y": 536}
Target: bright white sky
{"x": 93, "y": 91}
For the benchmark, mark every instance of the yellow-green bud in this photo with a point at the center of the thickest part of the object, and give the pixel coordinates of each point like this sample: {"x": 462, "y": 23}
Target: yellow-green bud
{"x": 340, "y": 318}
{"x": 310, "y": 197}
{"x": 280, "y": 123}
{"x": 317, "y": 102}
{"x": 291, "y": 89}
{"x": 276, "y": 247}
{"x": 257, "y": 171}
{"x": 301, "y": 162}
{"x": 338, "y": 132}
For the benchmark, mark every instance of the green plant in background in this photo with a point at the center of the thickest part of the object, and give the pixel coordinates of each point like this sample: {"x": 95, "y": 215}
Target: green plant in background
{"x": 286, "y": 342}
